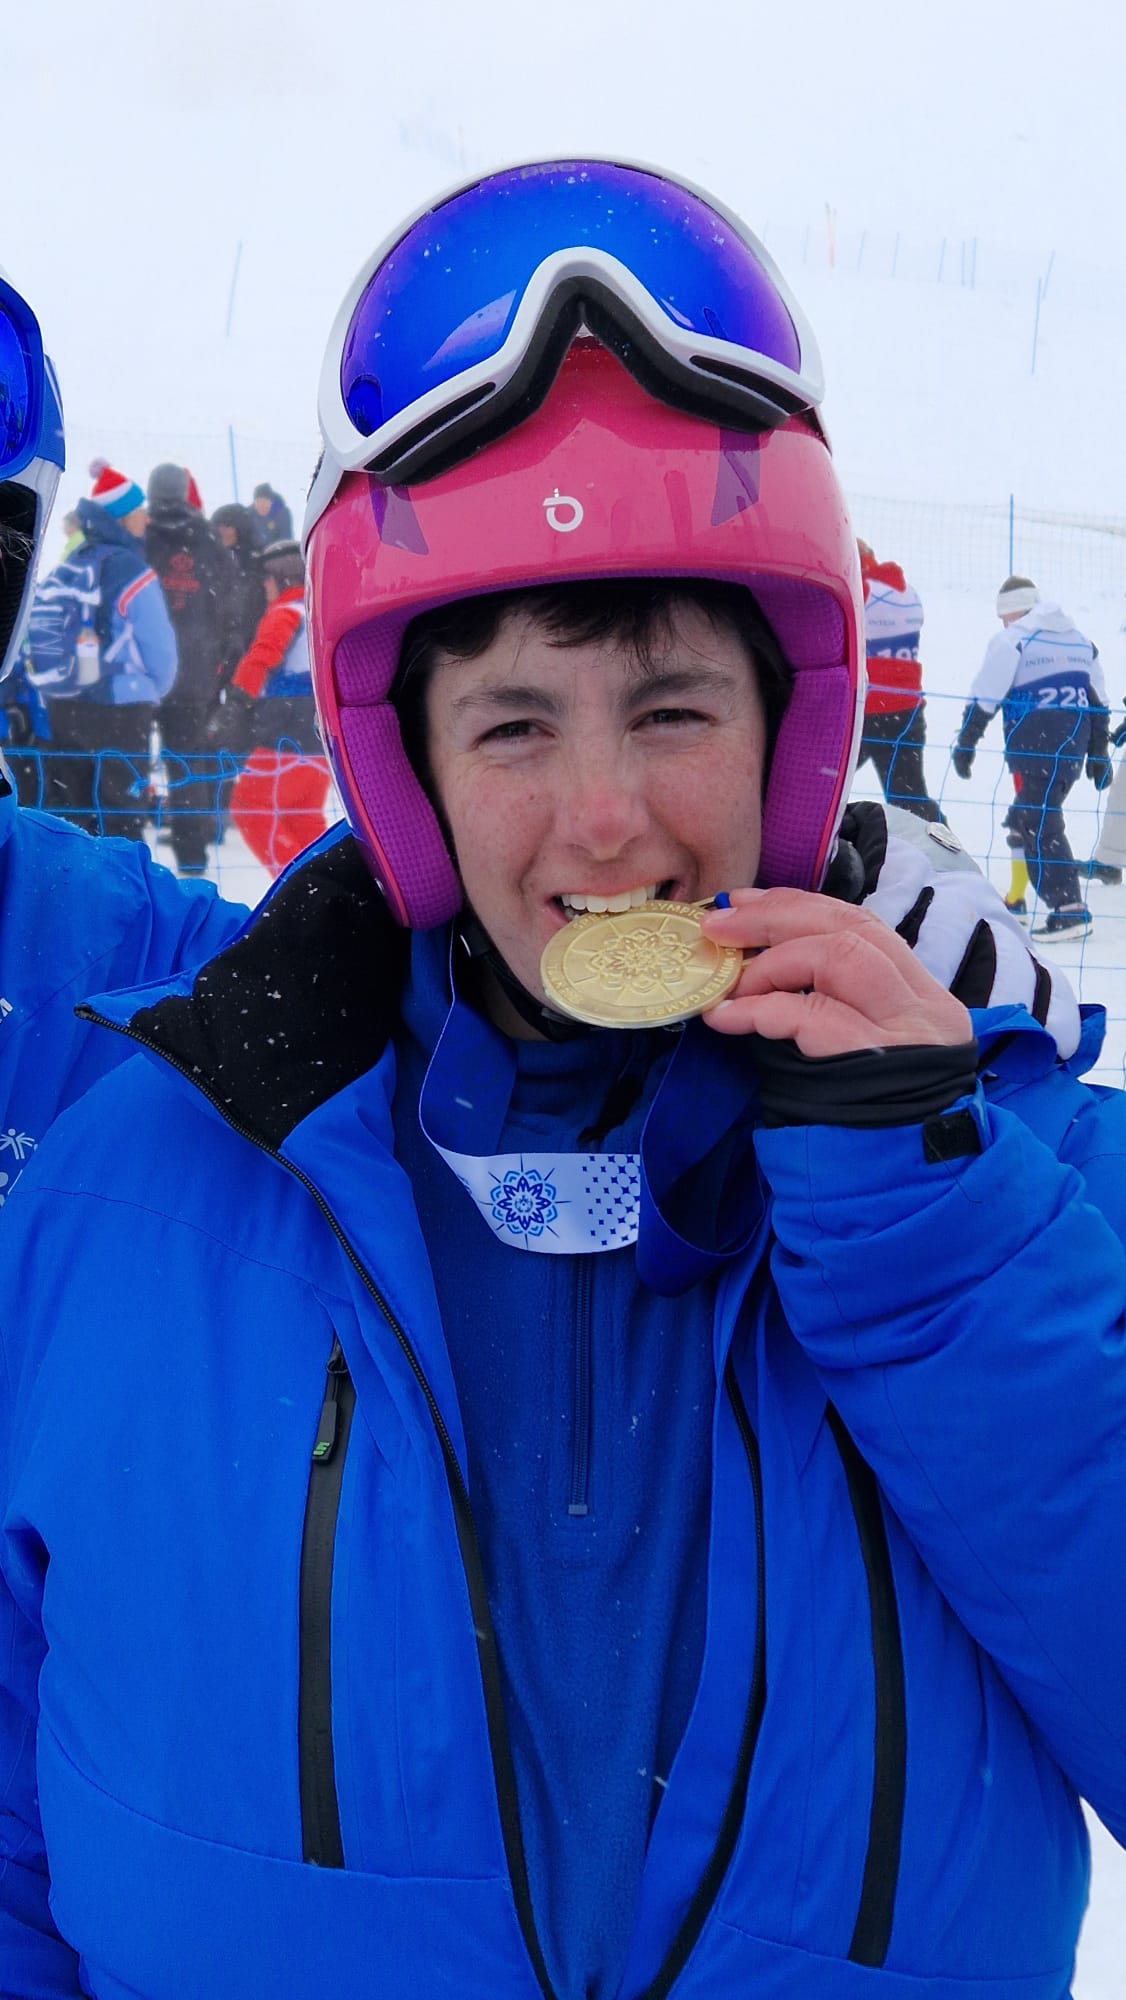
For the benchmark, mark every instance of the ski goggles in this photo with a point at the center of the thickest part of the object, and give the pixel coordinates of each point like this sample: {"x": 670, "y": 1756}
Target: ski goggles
{"x": 30, "y": 423}
{"x": 455, "y": 328}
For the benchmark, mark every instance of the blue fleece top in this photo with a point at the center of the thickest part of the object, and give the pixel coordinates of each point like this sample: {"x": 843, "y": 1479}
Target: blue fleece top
{"x": 583, "y": 1396}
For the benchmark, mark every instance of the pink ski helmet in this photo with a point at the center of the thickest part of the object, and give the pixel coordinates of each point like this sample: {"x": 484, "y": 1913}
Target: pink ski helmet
{"x": 602, "y": 477}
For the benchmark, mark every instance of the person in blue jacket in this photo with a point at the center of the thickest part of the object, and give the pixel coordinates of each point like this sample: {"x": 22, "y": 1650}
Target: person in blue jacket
{"x": 74, "y": 913}
{"x": 601, "y": 1510}
{"x": 100, "y": 733}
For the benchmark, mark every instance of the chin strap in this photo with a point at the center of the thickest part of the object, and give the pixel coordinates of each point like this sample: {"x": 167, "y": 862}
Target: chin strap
{"x": 481, "y": 951}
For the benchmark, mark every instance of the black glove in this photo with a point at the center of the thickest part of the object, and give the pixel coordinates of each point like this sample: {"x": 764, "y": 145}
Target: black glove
{"x": 1098, "y": 760}
{"x": 975, "y": 722}
{"x": 229, "y": 720}
{"x": 866, "y": 1089}
{"x": 1118, "y": 736}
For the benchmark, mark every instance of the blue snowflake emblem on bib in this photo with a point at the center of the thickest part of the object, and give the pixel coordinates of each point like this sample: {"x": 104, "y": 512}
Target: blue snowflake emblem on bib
{"x": 524, "y": 1203}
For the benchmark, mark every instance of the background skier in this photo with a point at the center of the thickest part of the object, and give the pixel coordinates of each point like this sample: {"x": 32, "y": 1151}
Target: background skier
{"x": 1045, "y": 677}
{"x": 894, "y": 709}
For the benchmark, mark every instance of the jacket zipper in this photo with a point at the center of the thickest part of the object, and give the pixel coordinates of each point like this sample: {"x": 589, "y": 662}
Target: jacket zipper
{"x": 332, "y": 1436}
{"x": 487, "y": 1655}
{"x": 582, "y": 1391}
{"x": 320, "y": 1817}
{"x": 708, "y": 1887}
{"x": 879, "y": 1884}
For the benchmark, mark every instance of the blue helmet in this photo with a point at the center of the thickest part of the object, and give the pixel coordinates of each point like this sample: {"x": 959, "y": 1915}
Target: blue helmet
{"x": 31, "y": 458}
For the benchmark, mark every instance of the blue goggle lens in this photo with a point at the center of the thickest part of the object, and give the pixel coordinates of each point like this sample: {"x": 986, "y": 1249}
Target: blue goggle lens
{"x": 17, "y": 395}
{"x": 444, "y": 299}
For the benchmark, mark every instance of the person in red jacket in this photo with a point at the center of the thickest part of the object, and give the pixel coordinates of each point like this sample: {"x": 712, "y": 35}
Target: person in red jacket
{"x": 279, "y": 797}
{"x": 894, "y": 729}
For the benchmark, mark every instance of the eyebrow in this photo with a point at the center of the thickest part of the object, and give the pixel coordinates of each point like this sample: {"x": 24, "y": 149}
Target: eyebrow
{"x": 645, "y": 684}
{"x": 509, "y": 694}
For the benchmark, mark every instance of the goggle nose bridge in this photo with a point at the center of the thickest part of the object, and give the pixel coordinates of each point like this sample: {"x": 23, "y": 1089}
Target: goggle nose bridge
{"x": 577, "y": 300}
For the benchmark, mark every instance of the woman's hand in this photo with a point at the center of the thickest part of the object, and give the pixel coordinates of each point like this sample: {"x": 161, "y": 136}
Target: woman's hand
{"x": 829, "y": 976}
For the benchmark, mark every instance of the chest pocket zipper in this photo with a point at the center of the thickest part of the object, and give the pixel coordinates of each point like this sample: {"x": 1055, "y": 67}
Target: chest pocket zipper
{"x": 320, "y": 1819}
{"x": 875, "y": 1915}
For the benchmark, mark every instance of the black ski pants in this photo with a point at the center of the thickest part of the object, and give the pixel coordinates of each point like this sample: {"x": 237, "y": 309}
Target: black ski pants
{"x": 894, "y": 743}
{"x": 96, "y": 770}
{"x": 192, "y": 810}
{"x": 1036, "y": 818}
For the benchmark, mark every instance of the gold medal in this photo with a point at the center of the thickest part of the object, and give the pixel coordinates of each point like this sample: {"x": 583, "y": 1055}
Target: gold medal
{"x": 641, "y": 968}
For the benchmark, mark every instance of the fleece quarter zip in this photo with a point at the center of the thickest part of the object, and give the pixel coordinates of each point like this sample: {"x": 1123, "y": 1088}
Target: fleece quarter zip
{"x": 587, "y": 1405}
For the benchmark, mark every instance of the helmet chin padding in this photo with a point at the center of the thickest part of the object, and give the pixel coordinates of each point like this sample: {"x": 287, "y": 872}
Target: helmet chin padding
{"x": 19, "y": 510}
{"x": 601, "y": 481}
{"x": 403, "y": 842}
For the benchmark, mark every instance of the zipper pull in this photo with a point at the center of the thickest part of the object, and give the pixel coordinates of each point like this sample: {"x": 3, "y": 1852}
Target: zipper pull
{"x": 335, "y": 1368}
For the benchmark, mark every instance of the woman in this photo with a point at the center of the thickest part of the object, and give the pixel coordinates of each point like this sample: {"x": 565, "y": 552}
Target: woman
{"x": 590, "y": 1519}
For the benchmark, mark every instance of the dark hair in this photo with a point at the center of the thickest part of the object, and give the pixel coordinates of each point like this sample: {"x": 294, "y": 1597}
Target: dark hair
{"x": 285, "y": 563}
{"x": 246, "y": 526}
{"x": 636, "y": 612}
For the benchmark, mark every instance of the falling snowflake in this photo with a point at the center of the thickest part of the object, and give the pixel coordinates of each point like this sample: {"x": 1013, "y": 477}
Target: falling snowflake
{"x": 524, "y": 1203}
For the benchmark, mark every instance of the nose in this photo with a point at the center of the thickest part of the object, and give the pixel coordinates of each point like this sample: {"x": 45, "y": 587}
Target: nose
{"x": 601, "y": 808}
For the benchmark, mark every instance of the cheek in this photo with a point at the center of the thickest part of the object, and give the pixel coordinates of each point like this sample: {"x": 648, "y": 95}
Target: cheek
{"x": 493, "y": 818}
{"x": 720, "y": 796}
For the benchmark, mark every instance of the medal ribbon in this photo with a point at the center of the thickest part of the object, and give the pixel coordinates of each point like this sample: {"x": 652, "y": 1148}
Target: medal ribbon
{"x": 559, "y": 1204}
{"x": 690, "y": 1200}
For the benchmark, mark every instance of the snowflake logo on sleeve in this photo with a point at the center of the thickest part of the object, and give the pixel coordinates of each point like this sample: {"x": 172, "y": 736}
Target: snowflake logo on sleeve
{"x": 19, "y": 1145}
{"x": 524, "y": 1203}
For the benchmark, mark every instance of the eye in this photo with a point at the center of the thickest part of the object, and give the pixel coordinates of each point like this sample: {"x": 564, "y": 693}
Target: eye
{"x": 671, "y": 718}
{"x": 508, "y": 732}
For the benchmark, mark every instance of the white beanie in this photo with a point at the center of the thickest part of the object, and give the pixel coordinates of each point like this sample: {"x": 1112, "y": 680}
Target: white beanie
{"x": 1016, "y": 595}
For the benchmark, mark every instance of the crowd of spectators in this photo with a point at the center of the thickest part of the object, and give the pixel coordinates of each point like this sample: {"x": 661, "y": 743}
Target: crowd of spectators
{"x": 165, "y": 677}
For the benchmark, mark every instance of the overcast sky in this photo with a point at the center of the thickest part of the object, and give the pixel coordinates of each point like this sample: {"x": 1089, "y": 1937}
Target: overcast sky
{"x": 147, "y": 141}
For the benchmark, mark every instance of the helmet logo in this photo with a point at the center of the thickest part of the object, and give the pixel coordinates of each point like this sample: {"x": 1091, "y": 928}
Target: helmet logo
{"x": 551, "y": 507}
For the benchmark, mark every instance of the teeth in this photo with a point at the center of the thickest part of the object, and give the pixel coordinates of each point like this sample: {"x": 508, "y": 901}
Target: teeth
{"x": 628, "y": 899}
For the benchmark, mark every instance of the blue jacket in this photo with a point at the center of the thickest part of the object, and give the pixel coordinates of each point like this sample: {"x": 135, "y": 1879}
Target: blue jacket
{"x": 75, "y": 914}
{"x": 245, "y": 1603}
{"x": 135, "y": 629}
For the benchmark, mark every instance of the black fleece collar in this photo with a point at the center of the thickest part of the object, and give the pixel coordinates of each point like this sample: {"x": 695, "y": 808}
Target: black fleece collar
{"x": 301, "y": 1004}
